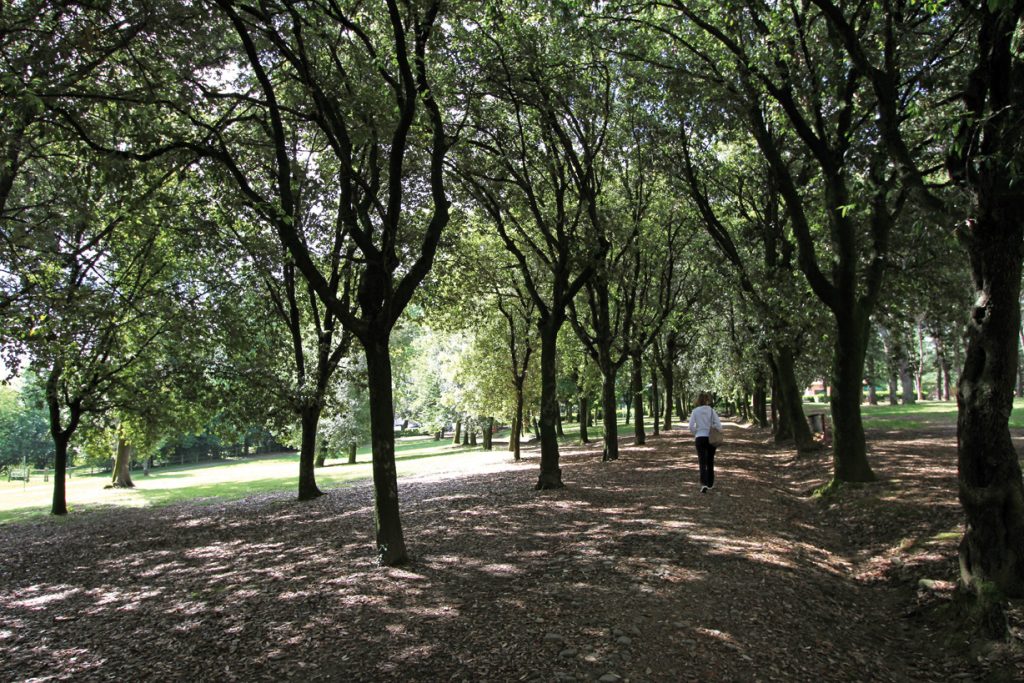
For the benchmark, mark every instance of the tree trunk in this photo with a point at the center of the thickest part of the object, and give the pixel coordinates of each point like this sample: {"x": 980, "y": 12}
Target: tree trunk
{"x": 59, "y": 505}
{"x": 513, "y": 437}
{"x": 991, "y": 490}
{"x": 791, "y": 407}
{"x": 667, "y": 377}
{"x": 782, "y": 426}
{"x": 550, "y": 472}
{"x": 123, "y": 453}
{"x": 776, "y": 422}
{"x": 352, "y": 448}
{"x": 61, "y": 437}
{"x": 655, "y": 412}
{"x": 584, "y": 415}
{"x": 558, "y": 425}
{"x": 893, "y": 381}
{"x": 309, "y": 418}
{"x": 390, "y": 542}
{"x": 609, "y": 411}
{"x": 992, "y": 549}
{"x": 872, "y": 376}
{"x": 679, "y": 409}
{"x": 637, "y": 386}
{"x": 457, "y": 439}
{"x": 919, "y": 374}
{"x": 1020, "y": 367}
{"x": 909, "y": 396}
{"x": 489, "y": 435}
{"x": 947, "y": 389}
{"x": 849, "y": 451}
{"x": 760, "y": 400}
{"x": 893, "y": 354}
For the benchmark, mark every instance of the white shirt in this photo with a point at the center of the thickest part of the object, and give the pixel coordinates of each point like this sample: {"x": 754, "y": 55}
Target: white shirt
{"x": 702, "y": 419}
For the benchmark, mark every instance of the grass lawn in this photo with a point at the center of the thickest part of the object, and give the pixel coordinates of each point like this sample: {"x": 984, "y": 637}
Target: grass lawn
{"x": 233, "y": 479}
{"x": 218, "y": 481}
{"x": 925, "y": 414}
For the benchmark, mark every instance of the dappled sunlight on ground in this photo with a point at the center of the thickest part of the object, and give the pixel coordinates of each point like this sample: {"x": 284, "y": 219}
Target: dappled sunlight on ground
{"x": 629, "y": 570}
{"x": 38, "y": 597}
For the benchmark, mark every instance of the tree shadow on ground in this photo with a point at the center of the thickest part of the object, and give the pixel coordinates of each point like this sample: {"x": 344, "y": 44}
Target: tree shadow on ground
{"x": 629, "y": 572}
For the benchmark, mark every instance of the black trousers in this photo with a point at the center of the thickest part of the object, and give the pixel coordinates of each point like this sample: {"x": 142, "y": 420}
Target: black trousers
{"x": 706, "y": 461}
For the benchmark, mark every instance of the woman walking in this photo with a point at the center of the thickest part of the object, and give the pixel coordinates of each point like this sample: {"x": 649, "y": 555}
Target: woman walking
{"x": 702, "y": 419}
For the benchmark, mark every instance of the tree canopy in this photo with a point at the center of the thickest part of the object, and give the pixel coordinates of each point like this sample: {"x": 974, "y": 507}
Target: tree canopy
{"x": 322, "y": 219}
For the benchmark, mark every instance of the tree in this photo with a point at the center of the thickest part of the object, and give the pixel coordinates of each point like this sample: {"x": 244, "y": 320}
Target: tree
{"x": 317, "y": 343}
{"x": 24, "y": 426}
{"x": 478, "y": 291}
{"x": 640, "y": 281}
{"x": 517, "y": 309}
{"x": 346, "y": 421}
{"x": 539, "y": 128}
{"x": 665, "y": 351}
{"x": 984, "y": 162}
{"x": 90, "y": 267}
{"x": 754, "y": 216}
{"x": 348, "y": 92}
{"x": 48, "y": 52}
{"x": 100, "y": 289}
{"x": 816, "y": 120}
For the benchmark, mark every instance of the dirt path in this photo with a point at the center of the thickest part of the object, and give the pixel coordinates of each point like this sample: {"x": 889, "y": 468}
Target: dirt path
{"x": 628, "y": 574}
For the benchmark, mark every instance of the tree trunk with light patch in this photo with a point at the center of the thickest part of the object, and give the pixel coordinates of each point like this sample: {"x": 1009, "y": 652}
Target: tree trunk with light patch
{"x": 122, "y": 477}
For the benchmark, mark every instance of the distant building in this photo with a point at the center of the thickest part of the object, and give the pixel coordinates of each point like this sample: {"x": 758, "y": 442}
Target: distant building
{"x": 816, "y": 389}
